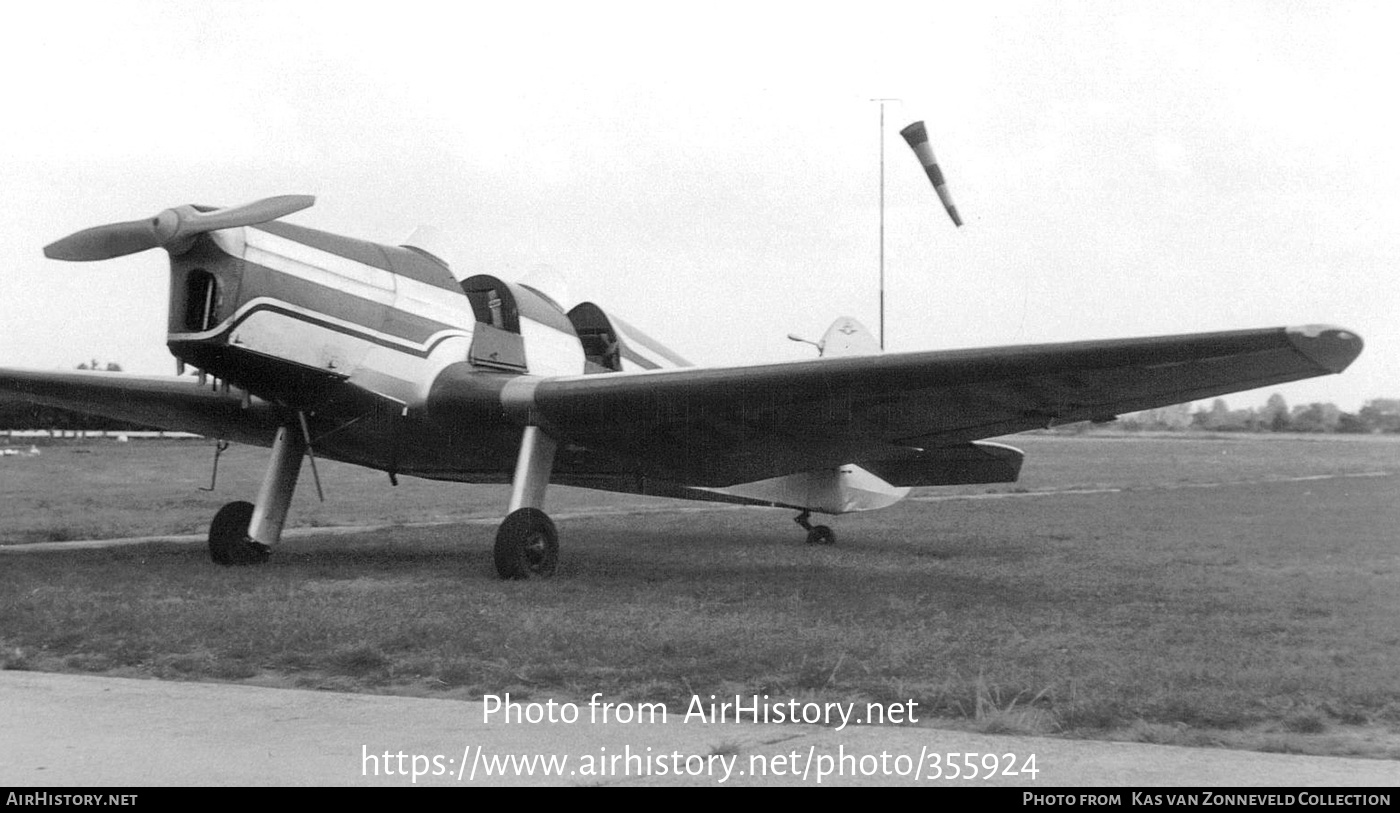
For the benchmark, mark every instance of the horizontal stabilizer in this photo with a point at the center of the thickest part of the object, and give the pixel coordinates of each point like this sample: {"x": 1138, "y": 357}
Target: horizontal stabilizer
{"x": 839, "y": 490}
{"x": 957, "y": 465}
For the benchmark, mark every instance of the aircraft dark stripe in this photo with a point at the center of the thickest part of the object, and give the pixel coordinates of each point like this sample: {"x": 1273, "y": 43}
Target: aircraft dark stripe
{"x": 347, "y": 330}
{"x": 260, "y": 280}
{"x": 418, "y": 266}
{"x": 397, "y": 260}
{"x": 340, "y": 305}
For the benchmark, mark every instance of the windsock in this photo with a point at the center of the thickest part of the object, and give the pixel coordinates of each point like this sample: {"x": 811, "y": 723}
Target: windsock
{"x": 918, "y": 140}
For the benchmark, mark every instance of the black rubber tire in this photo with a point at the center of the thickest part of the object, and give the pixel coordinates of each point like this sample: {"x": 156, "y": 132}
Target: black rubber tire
{"x": 821, "y": 535}
{"x": 229, "y": 544}
{"x": 527, "y": 545}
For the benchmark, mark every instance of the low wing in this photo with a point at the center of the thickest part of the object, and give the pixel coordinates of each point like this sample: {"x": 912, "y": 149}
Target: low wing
{"x": 718, "y": 427}
{"x": 168, "y": 403}
{"x": 908, "y": 417}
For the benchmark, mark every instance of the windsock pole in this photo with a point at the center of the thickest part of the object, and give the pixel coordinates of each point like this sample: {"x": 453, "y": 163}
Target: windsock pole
{"x": 917, "y": 137}
{"x": 882, "y": 217}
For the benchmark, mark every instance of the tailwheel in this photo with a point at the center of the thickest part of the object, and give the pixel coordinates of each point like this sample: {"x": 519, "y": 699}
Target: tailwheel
{"x": 816, "y": 534}
{"x": 527, "y": 545}
{"x": 229, "y": 543}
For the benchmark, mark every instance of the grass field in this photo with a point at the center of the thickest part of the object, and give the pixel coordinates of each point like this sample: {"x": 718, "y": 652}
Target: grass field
{"x": 1233, "y": 590}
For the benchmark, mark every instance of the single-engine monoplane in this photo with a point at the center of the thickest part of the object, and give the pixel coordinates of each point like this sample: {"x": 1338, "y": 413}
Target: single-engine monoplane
{"x": 319, "y": 345}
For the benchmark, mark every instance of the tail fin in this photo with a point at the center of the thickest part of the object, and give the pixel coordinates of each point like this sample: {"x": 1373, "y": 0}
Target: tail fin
{"x": 847, "y": 337}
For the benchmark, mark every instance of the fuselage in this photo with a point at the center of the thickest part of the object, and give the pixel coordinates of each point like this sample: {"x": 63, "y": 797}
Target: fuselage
{"x": 356, "y": 335}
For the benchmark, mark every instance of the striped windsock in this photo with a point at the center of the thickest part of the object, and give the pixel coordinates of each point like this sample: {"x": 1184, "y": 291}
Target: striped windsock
{"x": 918, "y": 140}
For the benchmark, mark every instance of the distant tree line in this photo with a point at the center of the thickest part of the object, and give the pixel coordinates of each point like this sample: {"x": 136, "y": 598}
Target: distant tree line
{"x": 1378, "y": 416}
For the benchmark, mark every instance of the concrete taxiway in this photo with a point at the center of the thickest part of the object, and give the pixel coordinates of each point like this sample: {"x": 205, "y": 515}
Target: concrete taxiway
{"x": 75, "y": 730}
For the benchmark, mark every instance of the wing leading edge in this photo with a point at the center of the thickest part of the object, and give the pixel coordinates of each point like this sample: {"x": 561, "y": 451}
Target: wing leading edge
{"x": 898, "y": 412}
{"x": 910, "y": 418}
{"x": 169, "y": 403}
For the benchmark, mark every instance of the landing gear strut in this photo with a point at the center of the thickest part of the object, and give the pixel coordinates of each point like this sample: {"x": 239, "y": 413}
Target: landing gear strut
{"x": 527, "y": 543}
{"x": 243, "y": 533}
{"x": 816, "y": 534}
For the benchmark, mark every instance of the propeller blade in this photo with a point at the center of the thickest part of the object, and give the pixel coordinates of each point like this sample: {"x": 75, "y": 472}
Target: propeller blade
{"x": 105, "y": 242}
{"x": 249, "y": 214}
{"x": 917, "y": 137}
{"x": 171, "y": 229}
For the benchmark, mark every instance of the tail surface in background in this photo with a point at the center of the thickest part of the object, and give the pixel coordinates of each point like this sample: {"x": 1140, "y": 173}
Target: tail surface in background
{"x": 847, "y": 337}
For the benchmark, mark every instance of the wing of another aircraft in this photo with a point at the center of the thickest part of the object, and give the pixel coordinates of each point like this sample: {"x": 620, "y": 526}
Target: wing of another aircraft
{"x": 717, "y": 427}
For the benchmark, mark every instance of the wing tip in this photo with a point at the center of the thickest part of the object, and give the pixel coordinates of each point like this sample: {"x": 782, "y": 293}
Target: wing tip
{"x": 1330, "y": 347}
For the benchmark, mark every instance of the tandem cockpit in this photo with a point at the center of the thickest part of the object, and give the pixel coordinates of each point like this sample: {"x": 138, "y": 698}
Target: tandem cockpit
{"x": 513, "y": 320}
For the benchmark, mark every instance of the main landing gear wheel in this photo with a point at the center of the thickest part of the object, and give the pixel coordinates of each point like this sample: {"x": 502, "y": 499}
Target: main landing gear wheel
{"x": 527, "y": 545}
{"x": 816, "y": 534}
{"x": 229, "y": 543}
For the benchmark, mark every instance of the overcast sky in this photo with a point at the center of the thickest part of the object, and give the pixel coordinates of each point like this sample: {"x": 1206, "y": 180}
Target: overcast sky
{"x": 711, "y": 174}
